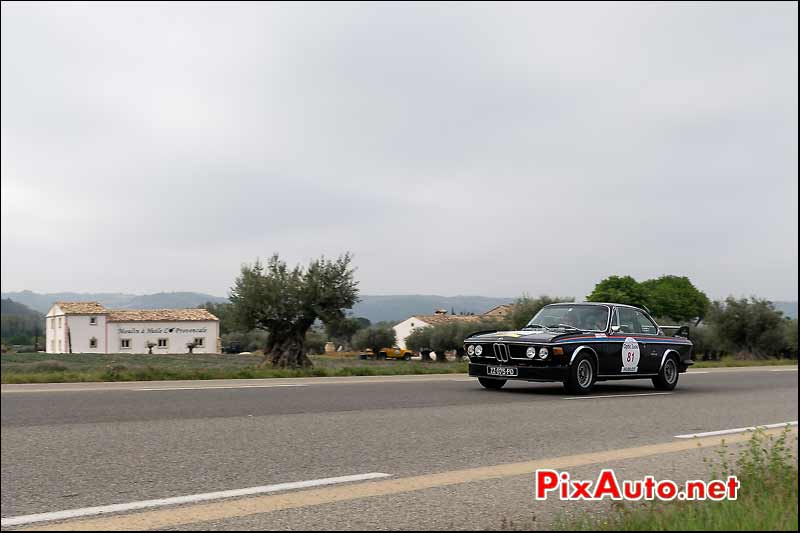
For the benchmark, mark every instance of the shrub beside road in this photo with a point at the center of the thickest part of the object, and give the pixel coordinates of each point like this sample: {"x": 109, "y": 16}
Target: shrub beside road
{"x": 767, "y": 499}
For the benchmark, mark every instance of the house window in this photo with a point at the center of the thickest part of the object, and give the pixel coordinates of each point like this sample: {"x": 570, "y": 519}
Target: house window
{"x": 92, "y": 343}
{"x": 92, "y": 320}
{"x": 199, "y": 342}
{"x": 125, "y": 344}
{"x": 59, "y": 322}
{"x": 59, "y": 345}
{"x": 162, "y": 343}
{"x": 52, "y": 346}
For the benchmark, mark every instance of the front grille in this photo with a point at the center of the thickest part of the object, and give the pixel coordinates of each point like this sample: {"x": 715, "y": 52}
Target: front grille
{"x": 500, "y": 351}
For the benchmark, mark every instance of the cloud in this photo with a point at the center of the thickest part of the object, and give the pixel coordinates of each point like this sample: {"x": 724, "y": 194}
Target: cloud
{"x": 454, "y": 148}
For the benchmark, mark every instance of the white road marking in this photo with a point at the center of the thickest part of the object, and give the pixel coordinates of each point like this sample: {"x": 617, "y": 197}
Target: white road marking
{"x": 783, "y": 369}
{"x": 735, "y": 430}
{"x": 105, "y": 509}
{"x": 617, "y": 396}
{"x": 212, "y": 387}
{"x": 693, "y": 372}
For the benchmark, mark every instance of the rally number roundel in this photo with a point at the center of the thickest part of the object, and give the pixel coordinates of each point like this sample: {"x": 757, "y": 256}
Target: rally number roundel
{"x": 630, "y": 355}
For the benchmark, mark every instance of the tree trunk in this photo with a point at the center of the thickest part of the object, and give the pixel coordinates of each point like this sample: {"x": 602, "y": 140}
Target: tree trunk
{"x": 288, "y": 351}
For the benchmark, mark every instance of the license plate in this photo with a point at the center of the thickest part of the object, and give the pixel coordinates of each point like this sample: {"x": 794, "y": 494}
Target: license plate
{"x": 501, "y": 371}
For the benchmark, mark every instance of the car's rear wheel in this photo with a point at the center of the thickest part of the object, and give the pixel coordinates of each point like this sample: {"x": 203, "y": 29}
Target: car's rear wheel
{"x": 382, "y": 355}
{"x": 492, "y": 384}
{"x": 407, "y": 357}
{"x": 581, "y": 375}
{"x": 668, "y": 375}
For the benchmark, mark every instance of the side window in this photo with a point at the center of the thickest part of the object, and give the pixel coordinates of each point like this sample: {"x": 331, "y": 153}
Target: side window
{"x": 93, "y": 342}
{"x": 627, "y": 320}
{"x": 646, "y": 326}
{"x": 92, "y": 320}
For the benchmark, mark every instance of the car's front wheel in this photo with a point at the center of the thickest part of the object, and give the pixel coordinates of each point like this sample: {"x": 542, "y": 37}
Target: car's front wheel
{"x": 581, "y": 375}
{"x": 668, "y": 375}
{"x": 492, "y": 384}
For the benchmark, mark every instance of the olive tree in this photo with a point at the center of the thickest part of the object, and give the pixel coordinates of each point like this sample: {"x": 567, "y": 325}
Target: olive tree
{"x": 375, "y": 338}
{"x": 750, "y": 325}
{"x": 286, "y": 302}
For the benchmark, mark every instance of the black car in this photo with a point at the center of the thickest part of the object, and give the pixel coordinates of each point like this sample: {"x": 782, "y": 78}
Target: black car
{"x": 579, "y": 344}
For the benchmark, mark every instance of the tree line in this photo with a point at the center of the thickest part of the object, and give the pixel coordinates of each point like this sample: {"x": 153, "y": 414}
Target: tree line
{"x": 289, "y": 312}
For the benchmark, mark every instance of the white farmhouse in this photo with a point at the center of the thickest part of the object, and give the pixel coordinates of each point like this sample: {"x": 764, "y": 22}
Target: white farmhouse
{"x": 88, "y": 327}
{"x": 440, "y": 316}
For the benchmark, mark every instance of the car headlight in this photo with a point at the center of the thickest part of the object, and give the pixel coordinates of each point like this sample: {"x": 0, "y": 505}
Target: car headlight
{"x": 531, "y": 352}
{"x": 543, "y": 353}
{"x": 470, "y": 350}
{"x": 478, "y": 350}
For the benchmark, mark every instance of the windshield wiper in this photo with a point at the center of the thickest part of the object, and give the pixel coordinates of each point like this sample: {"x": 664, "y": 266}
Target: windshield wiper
{"x": 562, "y": 326}
{"x": 534, "y": 326}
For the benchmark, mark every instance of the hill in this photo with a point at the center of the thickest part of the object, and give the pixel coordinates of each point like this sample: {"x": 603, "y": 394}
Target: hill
{"x": 19, "y": 323}
{"x": 394, "y": 308}
{"x": 161, "y": 300}
{"x": 10, "y": 307}
{"x": 377, "y": 308}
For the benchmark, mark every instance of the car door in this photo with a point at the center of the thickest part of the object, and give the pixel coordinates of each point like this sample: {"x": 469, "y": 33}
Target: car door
{"x": 650, "y": 349}
{"x": 635, "y": 351}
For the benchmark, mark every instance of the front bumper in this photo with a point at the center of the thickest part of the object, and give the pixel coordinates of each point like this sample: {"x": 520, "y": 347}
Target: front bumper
{"x": 526, "y": 373}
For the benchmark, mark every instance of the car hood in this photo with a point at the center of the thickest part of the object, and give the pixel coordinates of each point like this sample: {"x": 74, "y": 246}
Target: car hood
{"x": 525, "y": 335}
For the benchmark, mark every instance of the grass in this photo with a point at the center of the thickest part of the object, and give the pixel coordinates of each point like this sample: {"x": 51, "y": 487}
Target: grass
{"x": 66, "y": 368}
{"x": 767, "y": 499}
{"x": 732, "y": 362}
{"x": 69, "y": 368}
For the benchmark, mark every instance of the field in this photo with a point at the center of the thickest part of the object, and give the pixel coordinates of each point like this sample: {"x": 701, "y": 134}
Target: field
{"x": 64, "y": 368}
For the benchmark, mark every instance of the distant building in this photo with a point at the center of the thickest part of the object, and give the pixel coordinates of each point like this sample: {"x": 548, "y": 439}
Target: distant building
{"x": 499, "y": 312}
{"x": 440, "y": 316}
{"x": 88, "y": 327}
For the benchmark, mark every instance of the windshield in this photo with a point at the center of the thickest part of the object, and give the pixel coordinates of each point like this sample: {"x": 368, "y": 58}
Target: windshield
{"x": 582, "y": 317}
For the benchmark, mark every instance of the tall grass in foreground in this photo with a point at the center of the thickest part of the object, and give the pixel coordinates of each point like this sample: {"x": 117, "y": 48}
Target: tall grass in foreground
{"x": 767, "y": 499}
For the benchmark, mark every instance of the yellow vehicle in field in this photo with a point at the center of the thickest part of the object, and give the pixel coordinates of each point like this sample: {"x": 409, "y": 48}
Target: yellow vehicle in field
{"x": 387, "y": 353}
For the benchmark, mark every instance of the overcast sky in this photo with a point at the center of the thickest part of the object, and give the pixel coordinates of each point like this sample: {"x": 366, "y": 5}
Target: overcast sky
{"x": 454, "y": 149}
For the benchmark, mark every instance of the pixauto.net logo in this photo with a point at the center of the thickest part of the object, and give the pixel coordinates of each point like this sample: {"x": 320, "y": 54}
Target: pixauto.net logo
{"x": 560, "y": 484}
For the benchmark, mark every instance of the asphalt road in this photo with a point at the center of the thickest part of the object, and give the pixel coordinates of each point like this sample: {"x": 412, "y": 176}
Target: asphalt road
{"x": 82, "y": 445}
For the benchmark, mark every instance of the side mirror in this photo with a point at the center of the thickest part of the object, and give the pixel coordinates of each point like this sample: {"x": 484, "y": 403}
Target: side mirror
{"x": 615, "y": 329}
